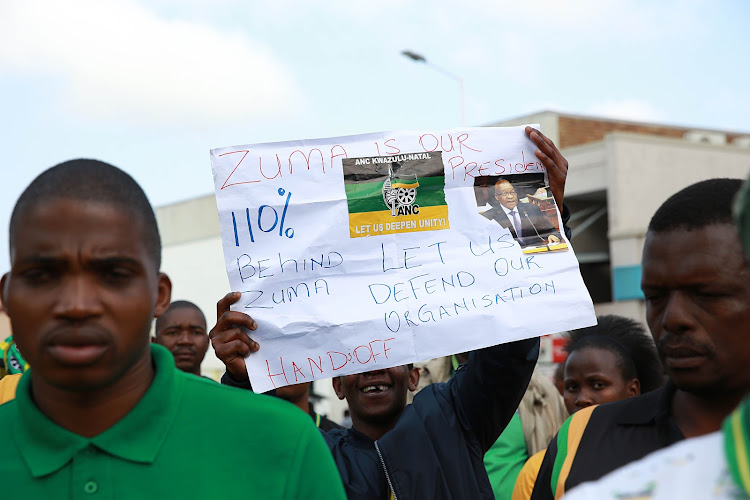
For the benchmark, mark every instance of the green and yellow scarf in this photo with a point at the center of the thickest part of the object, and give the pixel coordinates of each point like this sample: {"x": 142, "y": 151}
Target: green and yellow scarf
{"x": 736, "y": 429}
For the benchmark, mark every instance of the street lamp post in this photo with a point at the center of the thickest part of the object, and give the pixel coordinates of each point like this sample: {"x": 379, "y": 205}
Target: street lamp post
{"x": 421, "y": 59}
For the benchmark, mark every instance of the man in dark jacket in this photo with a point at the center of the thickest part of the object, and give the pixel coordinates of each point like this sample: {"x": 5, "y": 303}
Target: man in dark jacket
{"x": 433, "y": 448}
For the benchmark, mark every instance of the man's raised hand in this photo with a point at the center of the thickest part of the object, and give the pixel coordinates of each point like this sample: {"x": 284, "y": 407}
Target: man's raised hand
{"x": 229, "y": 340}
{"x": 553, "y": 161}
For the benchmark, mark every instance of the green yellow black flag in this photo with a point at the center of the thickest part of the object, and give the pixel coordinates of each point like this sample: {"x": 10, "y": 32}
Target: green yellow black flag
{"x": 395, "y": 194}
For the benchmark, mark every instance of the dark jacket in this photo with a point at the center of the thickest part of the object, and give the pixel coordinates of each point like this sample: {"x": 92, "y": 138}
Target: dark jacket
{"x": 436, "y": 449}
{"x": 324, "y": 423}
{"x": 616, "y": 434}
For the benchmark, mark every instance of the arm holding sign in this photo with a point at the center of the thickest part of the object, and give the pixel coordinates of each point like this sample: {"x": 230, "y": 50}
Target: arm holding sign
{"x": 557, "y": 172}
{"x": 553, "y": 161}
{"x": 230, "y": 342}
{"x": 439, "y": 442}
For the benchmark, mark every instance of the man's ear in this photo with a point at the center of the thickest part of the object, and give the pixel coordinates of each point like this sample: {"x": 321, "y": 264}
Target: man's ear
{"x": 153, "y": 340}
{"x": 634, "y": 388}
{"x": 164, "y": 295}
{"x": 337, "y": 387}
{"x": 2, "y": 293}
{"x": 413, "y": 378}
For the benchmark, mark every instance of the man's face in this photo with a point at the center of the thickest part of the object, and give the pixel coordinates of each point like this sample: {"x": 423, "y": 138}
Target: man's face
{"x": 81, "y": 294}
{"x": 378, "y": 396}
{"x": 183, "y": 332}
{"x": 506, "y": 194}
{"x": 698, "y": 307}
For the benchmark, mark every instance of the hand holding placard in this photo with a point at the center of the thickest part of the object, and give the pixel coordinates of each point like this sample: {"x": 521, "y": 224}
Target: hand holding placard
{"x": 230, "y": 342}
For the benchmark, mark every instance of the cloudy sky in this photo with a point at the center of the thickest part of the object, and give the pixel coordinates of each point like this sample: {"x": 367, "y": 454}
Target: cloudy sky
{"x": 151, "y": 86}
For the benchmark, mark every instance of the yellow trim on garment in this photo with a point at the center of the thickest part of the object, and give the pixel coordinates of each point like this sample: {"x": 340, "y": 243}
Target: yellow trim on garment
{"x": 740, "y": 447}
{"x": 8, "y": 387}
{"x": 578, "y": 423}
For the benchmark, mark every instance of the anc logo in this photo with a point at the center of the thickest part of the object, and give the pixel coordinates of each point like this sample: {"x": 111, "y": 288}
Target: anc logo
{"x": 395, "y": 194}
{"x": 399, "y": 195}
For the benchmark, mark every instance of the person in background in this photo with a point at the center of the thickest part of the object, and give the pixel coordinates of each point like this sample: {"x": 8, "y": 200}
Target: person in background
{"x": 695, "y": 283}
{"x": 182, "y": 330}
{"x": 612, "y": 360}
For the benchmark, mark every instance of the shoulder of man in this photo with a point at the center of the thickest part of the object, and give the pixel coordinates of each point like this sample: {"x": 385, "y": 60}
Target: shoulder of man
{"x": 264, "y": 432}
{"x": 597, "y": 440}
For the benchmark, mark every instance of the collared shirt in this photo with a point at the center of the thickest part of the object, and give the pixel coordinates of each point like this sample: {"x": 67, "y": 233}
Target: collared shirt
{"x": 186, "y": 438}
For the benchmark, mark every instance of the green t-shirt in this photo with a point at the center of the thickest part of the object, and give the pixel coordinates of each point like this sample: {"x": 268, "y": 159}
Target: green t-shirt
{"x": 505, "y": 459}
{"x": 186, "y": 438}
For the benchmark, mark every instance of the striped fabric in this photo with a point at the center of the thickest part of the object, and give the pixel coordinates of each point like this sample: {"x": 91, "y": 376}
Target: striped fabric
{"x": 736, "y": 440}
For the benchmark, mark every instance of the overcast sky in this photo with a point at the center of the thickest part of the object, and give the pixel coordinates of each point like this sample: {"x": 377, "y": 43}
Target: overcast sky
{"x": 151, "y": 86}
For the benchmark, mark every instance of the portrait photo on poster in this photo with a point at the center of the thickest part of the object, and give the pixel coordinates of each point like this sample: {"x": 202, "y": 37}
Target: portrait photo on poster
{"x": 524, "y": 205}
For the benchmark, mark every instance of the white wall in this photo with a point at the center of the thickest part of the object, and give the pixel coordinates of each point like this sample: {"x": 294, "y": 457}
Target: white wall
{"x": 644, "y": 171}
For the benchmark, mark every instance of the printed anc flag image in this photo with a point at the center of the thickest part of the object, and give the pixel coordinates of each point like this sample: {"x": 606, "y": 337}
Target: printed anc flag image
{"x": 395, "y": 194}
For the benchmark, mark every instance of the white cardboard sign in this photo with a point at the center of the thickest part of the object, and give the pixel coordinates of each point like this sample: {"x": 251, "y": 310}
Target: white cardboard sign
{"x": 370, "y": 251}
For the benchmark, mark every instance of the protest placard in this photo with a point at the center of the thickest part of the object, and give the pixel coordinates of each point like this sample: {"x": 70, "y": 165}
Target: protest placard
{"x": 370, "y": 251}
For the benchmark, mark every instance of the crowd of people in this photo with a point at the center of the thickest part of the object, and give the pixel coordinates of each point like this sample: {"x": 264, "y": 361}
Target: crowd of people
{"x": 94, "y": 406}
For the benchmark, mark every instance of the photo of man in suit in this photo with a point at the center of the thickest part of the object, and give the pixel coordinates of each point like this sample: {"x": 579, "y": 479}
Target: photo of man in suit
{"x": 525, "y": 221}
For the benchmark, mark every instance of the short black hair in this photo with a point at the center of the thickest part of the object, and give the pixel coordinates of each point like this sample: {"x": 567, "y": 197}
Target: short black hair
{"x": 697, "y": 206}
{"x": 177, "y": 304}
{"x": 628, "y": 340}
{"x": 90, "y": 180}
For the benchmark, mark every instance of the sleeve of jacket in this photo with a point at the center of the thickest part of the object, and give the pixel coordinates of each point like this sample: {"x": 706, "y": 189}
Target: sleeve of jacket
{"x": 543, "y": 485}
{"x": 489, "y": 387}
{"x": 565, "y": 215}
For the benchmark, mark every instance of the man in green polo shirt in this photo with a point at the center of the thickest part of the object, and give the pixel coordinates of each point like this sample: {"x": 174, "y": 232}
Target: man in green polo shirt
{"x": 103, "y": 413}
